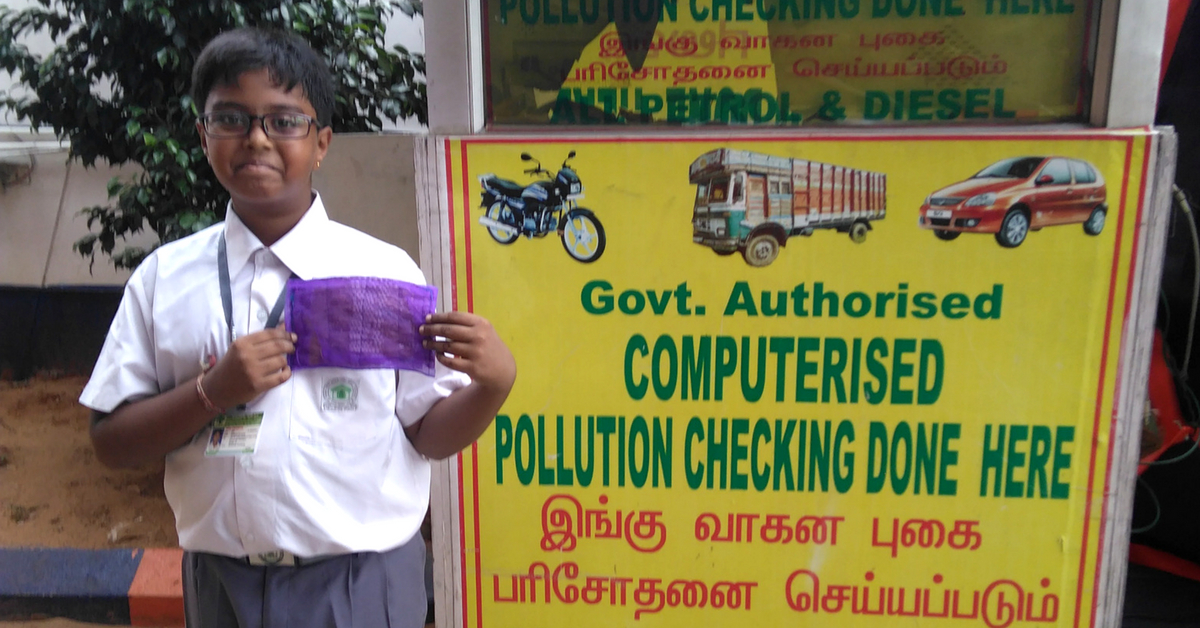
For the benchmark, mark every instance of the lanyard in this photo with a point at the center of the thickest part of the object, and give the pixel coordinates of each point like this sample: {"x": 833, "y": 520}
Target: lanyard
{"x": 227, "y": 292}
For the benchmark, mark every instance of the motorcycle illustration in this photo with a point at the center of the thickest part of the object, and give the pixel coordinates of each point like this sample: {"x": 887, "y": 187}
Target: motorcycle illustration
{"x": 546, "y": 205}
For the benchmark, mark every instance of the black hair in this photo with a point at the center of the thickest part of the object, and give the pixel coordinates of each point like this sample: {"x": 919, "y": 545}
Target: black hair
{"x": 288, "y": 59}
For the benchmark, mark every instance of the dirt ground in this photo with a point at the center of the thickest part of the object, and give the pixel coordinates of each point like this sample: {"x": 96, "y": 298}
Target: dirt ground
{"x": 53, "y": 492}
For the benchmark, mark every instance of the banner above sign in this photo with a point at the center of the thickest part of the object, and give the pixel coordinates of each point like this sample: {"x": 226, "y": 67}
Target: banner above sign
{"x": 785, "y": 62}
{"x": 769, "y": 381}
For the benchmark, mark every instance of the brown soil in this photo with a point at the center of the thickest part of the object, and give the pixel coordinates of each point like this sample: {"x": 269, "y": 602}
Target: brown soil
{"x": 53, "y": 492}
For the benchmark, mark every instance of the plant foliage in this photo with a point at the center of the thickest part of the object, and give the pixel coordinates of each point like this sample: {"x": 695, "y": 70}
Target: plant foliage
{"x": 116, "y": 85}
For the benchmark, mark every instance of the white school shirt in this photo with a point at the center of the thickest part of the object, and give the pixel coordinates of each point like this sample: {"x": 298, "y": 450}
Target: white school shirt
{"x": 331, "y": 475}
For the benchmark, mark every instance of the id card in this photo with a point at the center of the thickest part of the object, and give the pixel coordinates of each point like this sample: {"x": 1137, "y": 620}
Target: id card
{"x": 234, "y": 434}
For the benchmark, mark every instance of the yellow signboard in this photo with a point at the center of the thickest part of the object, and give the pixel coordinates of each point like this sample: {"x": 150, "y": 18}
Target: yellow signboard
{"x": 785, "y": 62}
{"x": 807, "y": 380}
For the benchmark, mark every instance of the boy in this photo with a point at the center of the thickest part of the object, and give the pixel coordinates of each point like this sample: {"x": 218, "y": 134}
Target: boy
{"x": 319, "y": 525}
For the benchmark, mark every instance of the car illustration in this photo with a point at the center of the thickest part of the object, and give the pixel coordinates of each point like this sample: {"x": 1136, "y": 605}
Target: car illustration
{"x": 1013, "y": 196}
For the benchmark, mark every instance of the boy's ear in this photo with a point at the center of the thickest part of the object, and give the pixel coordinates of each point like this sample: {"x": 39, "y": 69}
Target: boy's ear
{"x": 324, "y": 137}
{"x": 203, "y": 137}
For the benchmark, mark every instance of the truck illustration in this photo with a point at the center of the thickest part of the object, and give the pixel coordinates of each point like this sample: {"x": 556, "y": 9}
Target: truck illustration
{"x": 752, "y": 202}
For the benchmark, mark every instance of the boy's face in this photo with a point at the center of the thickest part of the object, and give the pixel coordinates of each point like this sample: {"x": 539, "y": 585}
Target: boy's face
{"x": 264, "y": 176}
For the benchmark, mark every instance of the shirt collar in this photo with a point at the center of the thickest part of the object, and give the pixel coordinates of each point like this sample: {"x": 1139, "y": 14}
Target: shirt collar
{"x": 299, "y": 248}
{"x": 240, "y": 242}
{"x": 295, "y": 249}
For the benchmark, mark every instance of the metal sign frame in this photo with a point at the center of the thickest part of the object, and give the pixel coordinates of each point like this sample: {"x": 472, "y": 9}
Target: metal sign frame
{"x": 1126, "y": 59}
{"x": 1131, "y": 383}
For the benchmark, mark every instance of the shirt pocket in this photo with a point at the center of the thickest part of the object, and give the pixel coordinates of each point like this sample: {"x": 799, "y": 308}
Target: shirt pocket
{"x": 343, "y": 409}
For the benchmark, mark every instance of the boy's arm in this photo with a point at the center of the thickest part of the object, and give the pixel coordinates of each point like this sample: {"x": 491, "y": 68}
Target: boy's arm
{"x": 144, "y": 431}
{"x": 147, "y": 430}
{"x": 467, "y": 343}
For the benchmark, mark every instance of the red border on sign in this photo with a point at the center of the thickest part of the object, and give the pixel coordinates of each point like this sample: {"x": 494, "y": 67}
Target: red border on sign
{"x": 462, "y": 531}
{"x": 1112, "y": 290}
{"x": 1133, "y": 260}
{"x": 467, "y": 233}
{"x": 1086, "y": 135}
{"x": 474, "y": 447}
{"x": 450, "y": 227}
{"x": 877, "y": 135}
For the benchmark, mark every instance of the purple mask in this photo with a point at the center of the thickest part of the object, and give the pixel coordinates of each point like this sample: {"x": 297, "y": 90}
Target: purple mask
{"x": 359, "y": 323}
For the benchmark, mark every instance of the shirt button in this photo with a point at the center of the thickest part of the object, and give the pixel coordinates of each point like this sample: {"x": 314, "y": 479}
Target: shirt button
{"x": 246, "y": 462}
{"x": 250, "y": 536}
{"x": 262, "y": 316}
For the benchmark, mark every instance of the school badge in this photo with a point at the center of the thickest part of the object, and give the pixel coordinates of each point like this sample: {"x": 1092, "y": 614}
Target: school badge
{"x": 339, "y": 395}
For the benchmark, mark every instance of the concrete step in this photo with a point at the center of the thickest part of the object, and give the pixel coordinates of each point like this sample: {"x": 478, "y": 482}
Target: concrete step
{"x": 136, "y": 587}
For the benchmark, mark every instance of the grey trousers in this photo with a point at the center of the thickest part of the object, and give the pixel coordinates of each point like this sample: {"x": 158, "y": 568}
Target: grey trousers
{"x": 364, "y": 590}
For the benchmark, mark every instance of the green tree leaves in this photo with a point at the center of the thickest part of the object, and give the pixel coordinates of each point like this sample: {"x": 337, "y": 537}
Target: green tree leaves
{"x": 116, "y": 86}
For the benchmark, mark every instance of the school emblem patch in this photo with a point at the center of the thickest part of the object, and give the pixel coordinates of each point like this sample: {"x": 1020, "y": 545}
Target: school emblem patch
{"x": 271, "y": 558}
{"x": 339, "y": 395}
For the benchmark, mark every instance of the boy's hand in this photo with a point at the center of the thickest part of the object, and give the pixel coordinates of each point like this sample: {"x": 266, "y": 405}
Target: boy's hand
{"x": 473, "y": 347}
{"x": 254, "y": 364}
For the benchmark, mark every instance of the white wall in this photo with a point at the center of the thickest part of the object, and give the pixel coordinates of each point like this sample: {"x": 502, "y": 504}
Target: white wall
{"x": 39, "y": 221}
{"x": 366, "y": 181}
{"x": 27, "y": 215}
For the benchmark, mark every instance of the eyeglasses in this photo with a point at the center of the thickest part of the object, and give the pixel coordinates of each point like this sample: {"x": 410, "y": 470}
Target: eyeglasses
{"x": 277, "y": 126}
